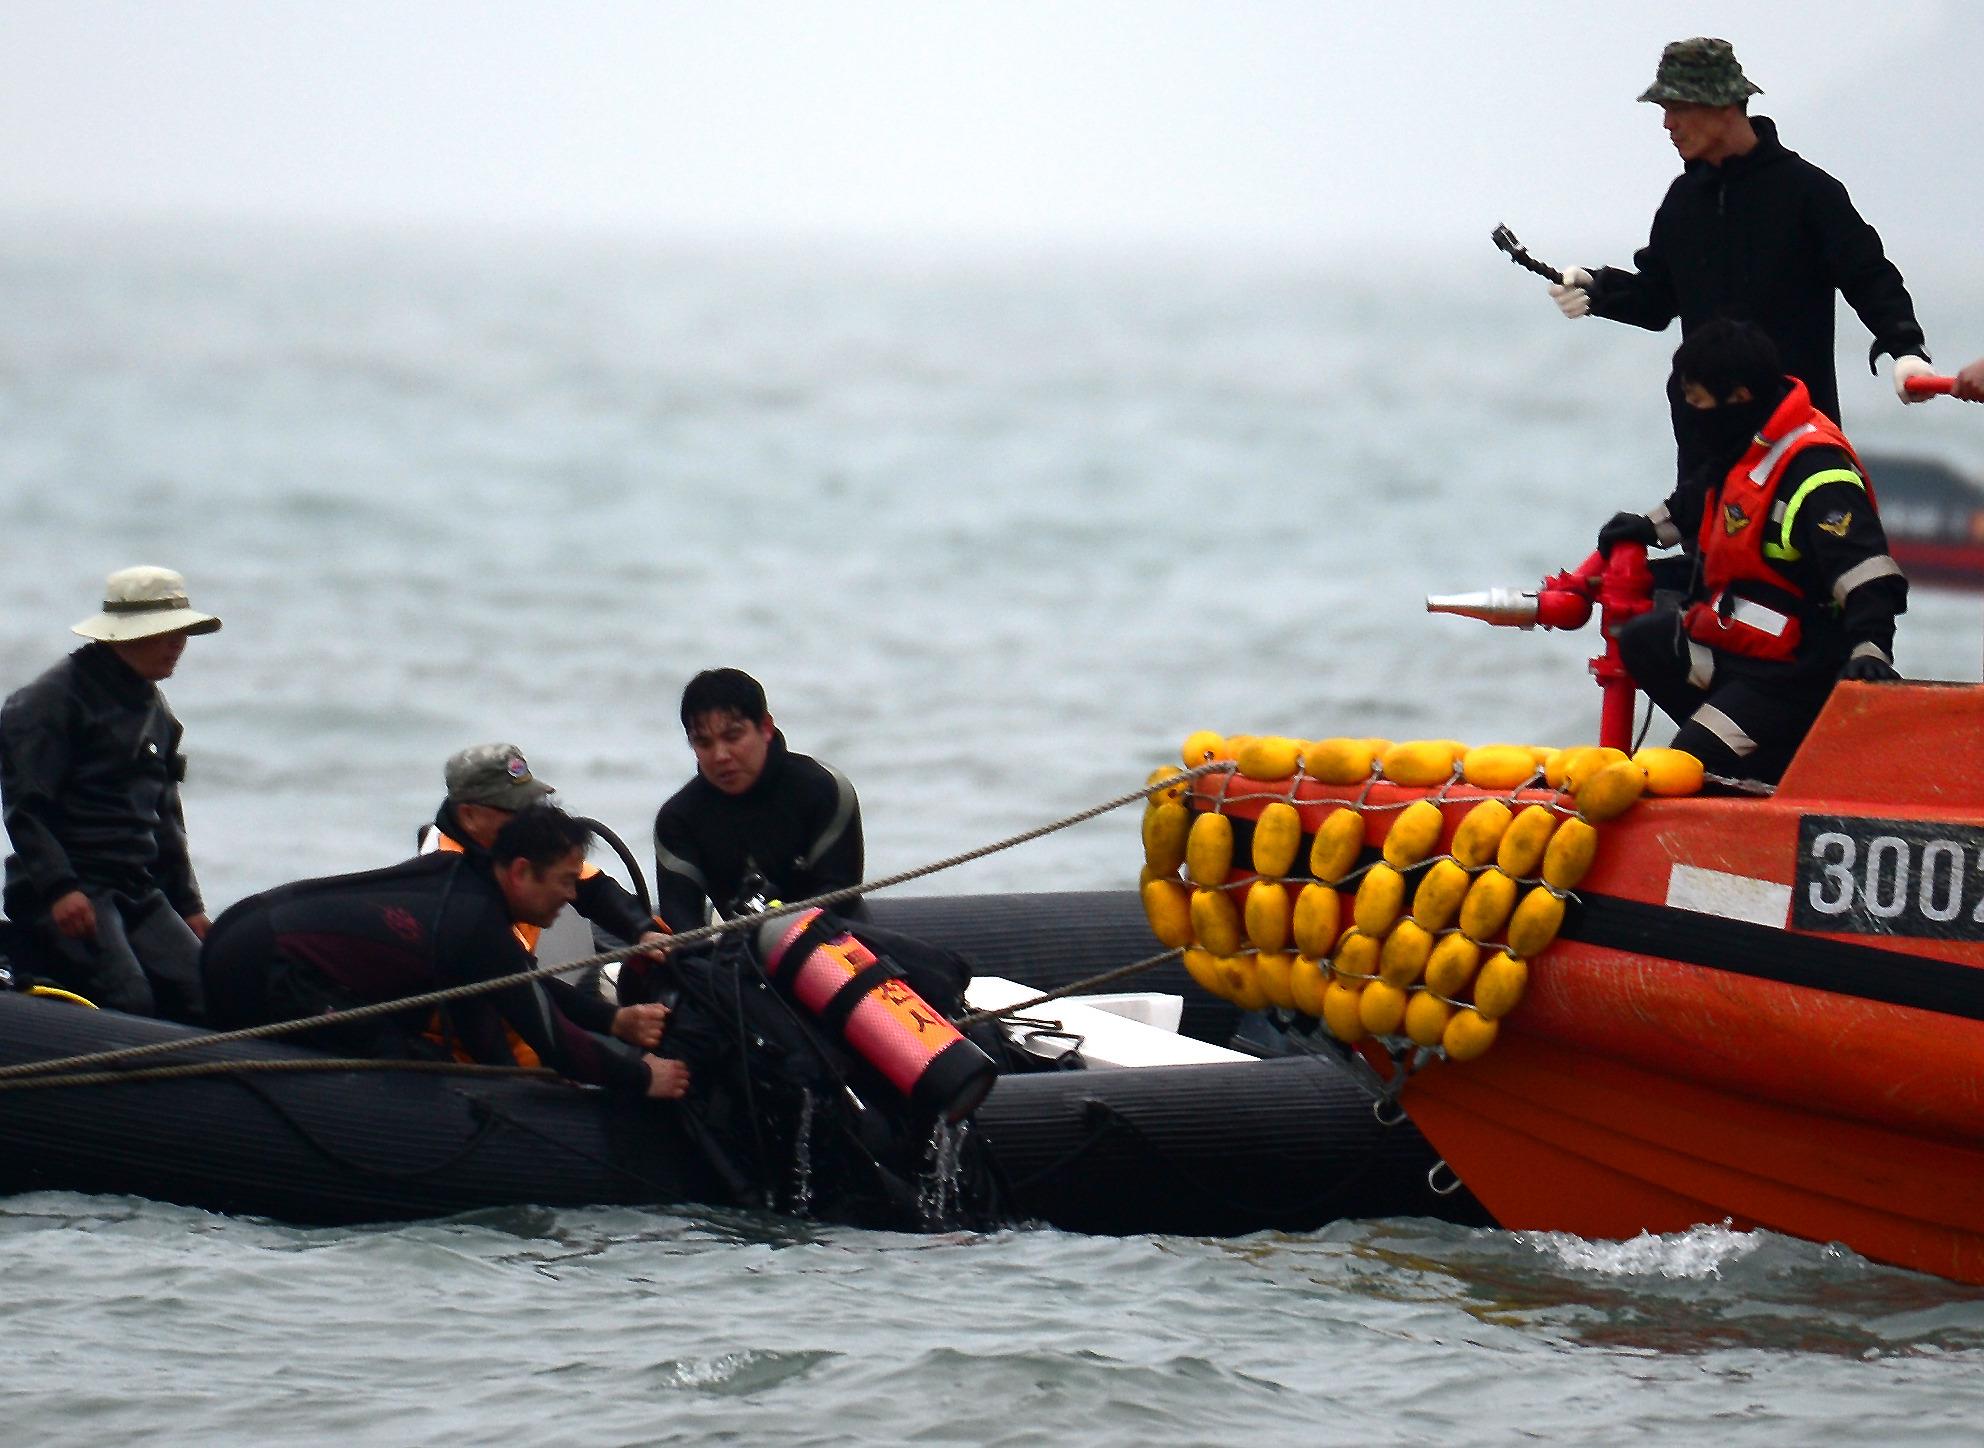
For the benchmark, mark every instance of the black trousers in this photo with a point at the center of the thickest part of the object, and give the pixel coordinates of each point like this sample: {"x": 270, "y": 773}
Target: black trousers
{"x": 144, "y": 959}
{"x": 1737, "y": 724}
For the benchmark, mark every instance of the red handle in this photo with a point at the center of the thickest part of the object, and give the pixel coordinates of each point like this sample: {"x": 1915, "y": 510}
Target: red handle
{"x": 1930, "y": 386}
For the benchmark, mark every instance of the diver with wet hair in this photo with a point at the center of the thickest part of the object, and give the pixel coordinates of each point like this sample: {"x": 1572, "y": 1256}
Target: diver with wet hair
{"x": 754, "y": 809}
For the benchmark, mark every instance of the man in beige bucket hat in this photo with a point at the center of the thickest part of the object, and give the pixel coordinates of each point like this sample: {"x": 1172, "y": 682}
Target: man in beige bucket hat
{"x": 100, "y": 877}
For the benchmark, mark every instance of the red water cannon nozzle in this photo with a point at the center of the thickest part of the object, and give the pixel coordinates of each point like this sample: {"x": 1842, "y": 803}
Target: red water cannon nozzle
{"x": 1619, "y": 585}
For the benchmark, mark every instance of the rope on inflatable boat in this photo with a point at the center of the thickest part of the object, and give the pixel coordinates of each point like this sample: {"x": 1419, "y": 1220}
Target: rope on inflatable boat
{"x": 186, "y": 1069}
{"x": 1080, "y": 987}
{"x": 71, "y": 1064}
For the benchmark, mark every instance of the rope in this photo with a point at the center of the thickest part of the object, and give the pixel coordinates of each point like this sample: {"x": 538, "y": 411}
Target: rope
{"x": 669, "y": 942}
{"x": 1080, "y": 987}
{"x": 188, "y": 1069}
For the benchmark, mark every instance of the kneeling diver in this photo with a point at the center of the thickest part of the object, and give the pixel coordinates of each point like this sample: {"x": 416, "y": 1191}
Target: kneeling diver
{"x": 436, "y": 921}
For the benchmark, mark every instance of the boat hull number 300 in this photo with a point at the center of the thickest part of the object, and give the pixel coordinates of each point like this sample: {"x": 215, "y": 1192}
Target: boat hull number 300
{"x": 1889, "y": 877}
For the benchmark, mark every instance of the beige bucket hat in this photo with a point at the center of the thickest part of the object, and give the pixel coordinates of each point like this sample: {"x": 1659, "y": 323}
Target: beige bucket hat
{"x": 142, "y": 603}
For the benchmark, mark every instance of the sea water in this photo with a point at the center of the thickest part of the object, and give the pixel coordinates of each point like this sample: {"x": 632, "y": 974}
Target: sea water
{"x": 996, "y": 532}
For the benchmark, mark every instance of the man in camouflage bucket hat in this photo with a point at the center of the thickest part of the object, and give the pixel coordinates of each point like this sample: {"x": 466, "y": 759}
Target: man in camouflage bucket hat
{"x": 1753, "y": 232}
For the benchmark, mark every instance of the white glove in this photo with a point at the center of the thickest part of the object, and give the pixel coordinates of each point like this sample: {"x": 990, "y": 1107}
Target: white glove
{"x": 1905, "y": 368}
{"x": 1573, "y": 298}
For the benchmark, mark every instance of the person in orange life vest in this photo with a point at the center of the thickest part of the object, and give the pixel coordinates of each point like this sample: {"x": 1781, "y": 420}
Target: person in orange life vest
{"x": 437, "y": 920}
{"x": 1791, "y": 586}
{"x": 487, "y": 784}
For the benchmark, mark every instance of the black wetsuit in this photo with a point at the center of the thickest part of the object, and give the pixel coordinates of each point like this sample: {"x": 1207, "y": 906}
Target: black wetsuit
{"x": 798, "y": 828}
{"x": 89, "y": 771}
{"x": 427, "y": 923}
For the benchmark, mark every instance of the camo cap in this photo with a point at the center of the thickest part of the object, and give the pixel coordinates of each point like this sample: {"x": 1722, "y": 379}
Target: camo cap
{"x": 493, "y": 774}
{"x": 1701, "y": 71}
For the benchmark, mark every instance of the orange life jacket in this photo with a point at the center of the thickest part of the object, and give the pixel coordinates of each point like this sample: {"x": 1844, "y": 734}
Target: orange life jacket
{"x": 1753, "y": 607}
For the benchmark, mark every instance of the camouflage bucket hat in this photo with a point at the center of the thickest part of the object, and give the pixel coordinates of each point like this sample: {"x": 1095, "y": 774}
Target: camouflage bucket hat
{"x": 1702, "y": 72}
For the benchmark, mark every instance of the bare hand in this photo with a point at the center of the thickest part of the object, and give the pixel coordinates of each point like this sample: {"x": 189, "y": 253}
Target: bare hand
{"x": 199, "y": 925}
{"x": 667, "y": 1080}
{"x": 654, "y": 938}
{"x": 640, "y": 1025}
{"x": 1970, "y": 382}
{"x": 74, "y": 916}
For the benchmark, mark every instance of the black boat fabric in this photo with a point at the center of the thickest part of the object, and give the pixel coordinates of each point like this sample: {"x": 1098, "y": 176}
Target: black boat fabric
{"x": 1288, "y": 1144}
{"x": 323, "y": 1148}
{"x": 1218, "y": 1150}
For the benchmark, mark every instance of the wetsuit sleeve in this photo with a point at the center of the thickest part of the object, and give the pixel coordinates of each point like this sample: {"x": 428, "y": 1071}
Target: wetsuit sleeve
{"x": 1844, "y": 549}
{"x": 610, "y": 905}
{"x": 1644, "y": 296}
{"x": 587, "y": 1009}
{"x": 681, "y": 890}
{"x": 1859, "y": 267}
{"x": 834, "y": 856}
{"x": 34, "y": 768}
{"x": 487, "y": 950}
{"x": 175, "y": 859}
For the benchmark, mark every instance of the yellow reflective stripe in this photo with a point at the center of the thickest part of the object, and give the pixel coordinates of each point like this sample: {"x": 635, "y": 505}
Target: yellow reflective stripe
{"x": 1782, "y": 551}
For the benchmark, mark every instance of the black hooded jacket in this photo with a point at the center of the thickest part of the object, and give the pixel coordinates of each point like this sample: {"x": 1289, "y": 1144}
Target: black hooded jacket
{"x": 798, "y": 826}
{"x": 1765, "y": 237}
{"x": 89, "y": 772}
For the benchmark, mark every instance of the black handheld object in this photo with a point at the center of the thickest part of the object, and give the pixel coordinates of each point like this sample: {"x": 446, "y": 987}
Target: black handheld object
{"x": 1517, "y": 253}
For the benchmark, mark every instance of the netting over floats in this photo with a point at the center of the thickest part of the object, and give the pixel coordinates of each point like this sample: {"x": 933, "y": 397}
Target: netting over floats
{"x": 1419, "y": 910}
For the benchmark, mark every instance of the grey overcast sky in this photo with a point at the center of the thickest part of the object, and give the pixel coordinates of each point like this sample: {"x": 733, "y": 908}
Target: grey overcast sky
{"x": 1326, "y": 126}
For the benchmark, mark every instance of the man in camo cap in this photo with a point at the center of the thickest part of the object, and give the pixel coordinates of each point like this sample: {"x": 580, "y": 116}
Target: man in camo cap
{"x": 1753, "y": 232}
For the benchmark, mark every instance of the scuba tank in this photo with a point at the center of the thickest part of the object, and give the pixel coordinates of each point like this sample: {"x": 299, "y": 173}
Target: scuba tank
{"x": 861, "y": 1000}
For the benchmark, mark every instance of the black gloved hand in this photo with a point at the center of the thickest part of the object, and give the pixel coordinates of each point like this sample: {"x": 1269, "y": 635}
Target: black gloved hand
{"x": 1870, "y": 669}
{"x": 1627, "y": 528}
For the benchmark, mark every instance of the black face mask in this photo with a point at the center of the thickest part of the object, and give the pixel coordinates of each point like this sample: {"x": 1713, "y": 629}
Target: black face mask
{"x": 1721, "y": 434}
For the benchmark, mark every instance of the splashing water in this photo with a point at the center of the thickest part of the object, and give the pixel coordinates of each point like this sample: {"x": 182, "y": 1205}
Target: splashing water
{"x": 802, "y": 1158}
{"x": 1699, "y": 1252}
{"x": 937, "y": 1194}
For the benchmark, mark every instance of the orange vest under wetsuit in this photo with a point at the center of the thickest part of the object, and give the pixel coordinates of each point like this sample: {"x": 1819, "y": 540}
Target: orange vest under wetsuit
{"x": 436, "y": 839}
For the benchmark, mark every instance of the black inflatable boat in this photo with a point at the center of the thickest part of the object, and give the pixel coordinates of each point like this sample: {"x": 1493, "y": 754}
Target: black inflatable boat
{"x": 1245, "y": 1144}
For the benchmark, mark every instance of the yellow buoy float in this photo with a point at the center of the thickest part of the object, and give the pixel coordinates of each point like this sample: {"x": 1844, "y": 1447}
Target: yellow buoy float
{"x": 1267, "y": 914}
{"x": 1339, "y": 841}
{"x": 1209, "y": 850}
{"x": 1413, "y": 834}
{"x": 1277, "y": 836}
{"x": 1338, "y": 761}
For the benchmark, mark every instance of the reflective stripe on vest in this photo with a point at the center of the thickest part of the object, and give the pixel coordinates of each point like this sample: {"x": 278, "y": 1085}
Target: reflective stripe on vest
{"x": 1782, "y": 550}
